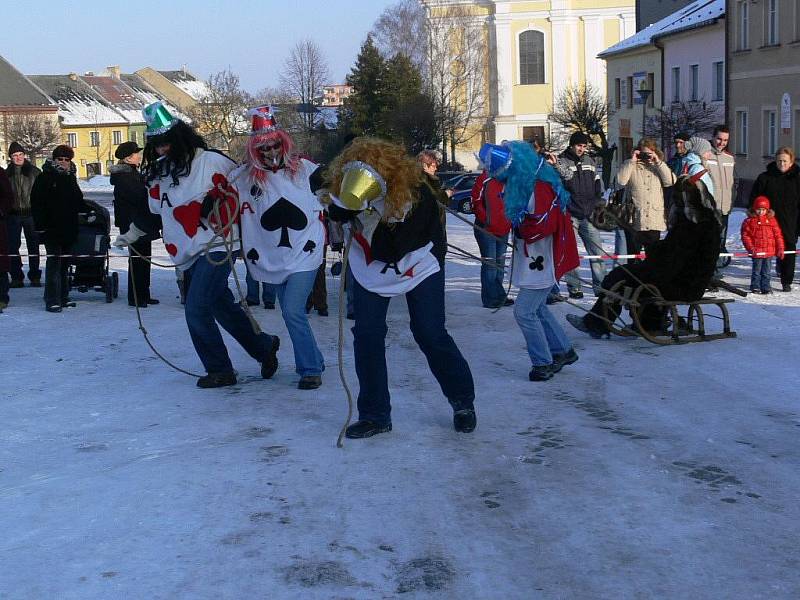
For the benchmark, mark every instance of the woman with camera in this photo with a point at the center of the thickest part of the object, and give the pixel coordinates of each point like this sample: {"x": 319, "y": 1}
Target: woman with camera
{"x": 644, "y": 176}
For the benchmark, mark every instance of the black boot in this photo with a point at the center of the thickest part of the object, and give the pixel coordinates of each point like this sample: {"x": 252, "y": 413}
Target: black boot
{"x": 365, "y": 429}
{"x": 465, "y": 420}
{"x": 215, "y": 380}
{"x": 562, "y": 360}
{"x": 309, "y": 382}
{"x": 270, "y": 364}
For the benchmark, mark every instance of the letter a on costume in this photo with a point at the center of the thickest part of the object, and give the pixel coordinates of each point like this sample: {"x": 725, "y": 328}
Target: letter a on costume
{"x": 165, "y": 198}
{"x": 390, "y": 266}
{"x": 246, "y": 206}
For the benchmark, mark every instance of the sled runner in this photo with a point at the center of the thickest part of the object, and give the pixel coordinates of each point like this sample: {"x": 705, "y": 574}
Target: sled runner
{"x": 675, "y": 328}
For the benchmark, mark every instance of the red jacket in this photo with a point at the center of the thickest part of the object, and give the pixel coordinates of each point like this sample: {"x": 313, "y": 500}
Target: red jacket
{"x": 548, "y": 219}
{"x": 487, "y": 204}
{"x": 762, "y": 234}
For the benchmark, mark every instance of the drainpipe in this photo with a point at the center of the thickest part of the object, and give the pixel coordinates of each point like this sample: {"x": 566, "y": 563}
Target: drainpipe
{"x": 658, "y": 45}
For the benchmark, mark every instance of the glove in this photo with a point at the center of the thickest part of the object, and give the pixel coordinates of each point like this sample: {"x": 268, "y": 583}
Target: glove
{"x": 781, "y": 254}
{"x": 337, "y": 246}
{"x": 128, "y": 238}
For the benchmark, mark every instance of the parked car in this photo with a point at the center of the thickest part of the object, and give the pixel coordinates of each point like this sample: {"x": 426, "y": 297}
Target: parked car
{"x": 461, "y": 201}
{"x": 464, "y": 182}
{"x": 447, "y": 176}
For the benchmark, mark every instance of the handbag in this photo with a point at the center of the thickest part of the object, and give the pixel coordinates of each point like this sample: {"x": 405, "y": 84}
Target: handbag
{"x": 618, "y": 212}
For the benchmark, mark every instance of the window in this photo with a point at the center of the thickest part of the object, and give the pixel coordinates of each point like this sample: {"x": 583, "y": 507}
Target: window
{"x": 743, "y": 33}
{"x": 651, "y": 85}
{"x": 535, "y": 132}
{"x": 618, "y": 92}
{"x": 134, "y": 137}
{"x": 676, "y": 84}
{"x": 796, "y": 20}
{"x": 72, "y": 140}
{"x": 117, "y": 138}
{"x": 718, "y": 81}
{"x": 531, "y": 57}
{"x": 625, "y": 149}
{"x": 770, "y": 133}
{"x": 771, "y": 23}
{"x": 694, "y": 83}
{"x": 629, "y": 89}
{"x": 94, "y": 139}
{"x": 796, "y": 124}
{"x": 741, "y": 132}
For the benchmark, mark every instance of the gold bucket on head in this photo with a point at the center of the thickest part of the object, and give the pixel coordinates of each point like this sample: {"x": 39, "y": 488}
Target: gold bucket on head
{"x": 361, "y": 186}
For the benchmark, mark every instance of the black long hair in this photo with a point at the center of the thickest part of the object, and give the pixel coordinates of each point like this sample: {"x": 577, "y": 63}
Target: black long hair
{"x": 184, "y": 142}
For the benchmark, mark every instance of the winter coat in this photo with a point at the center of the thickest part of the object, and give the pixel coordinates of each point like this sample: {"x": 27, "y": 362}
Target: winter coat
{"x": 488, "y": 207}
{"x": 56, "y": 201}
{"x": 435, "y": 186}
{"x": 22, "y": 179}
{"x": 783, "y": 191}
{"x": 693, "y": 165}
{"x": 721, "y": 167}
{"x": 582, "y": 181}
{"x": 644, "y": 185}
{"x": 130, "y": 201}
{"x": 548, "y": 220}
{"x": 682, "y": 264}
{"x": 6, "y": 205}
{"x": 761, "y": 235}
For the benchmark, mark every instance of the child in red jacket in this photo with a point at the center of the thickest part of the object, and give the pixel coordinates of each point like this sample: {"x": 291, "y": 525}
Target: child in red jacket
{"x": 763, "y": 239}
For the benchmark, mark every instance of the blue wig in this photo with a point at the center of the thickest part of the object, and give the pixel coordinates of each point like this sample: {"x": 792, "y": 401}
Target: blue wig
{"x": 526, "y": 168}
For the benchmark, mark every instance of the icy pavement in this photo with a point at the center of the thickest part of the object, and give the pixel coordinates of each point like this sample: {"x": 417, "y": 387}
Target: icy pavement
{"x": 638, "y": 472}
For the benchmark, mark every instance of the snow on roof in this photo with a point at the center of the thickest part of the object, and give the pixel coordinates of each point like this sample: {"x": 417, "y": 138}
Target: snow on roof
{"x": 77, "y": 103}
{"x": 696, "y": 14}
{"x": 187, "y": 82}
{"x": 119, "y": 95}
{"x": 149, "y": 95}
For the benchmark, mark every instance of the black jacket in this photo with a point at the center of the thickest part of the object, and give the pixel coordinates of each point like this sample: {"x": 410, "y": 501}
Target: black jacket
{"x": 56, "y": 201}
{"x": 392, "y": 241}
{"x": 783, "y": 191}
{"x": 131, "y": 202}
{"x": 584, "y": 186}
{"x": 22, "y": 179}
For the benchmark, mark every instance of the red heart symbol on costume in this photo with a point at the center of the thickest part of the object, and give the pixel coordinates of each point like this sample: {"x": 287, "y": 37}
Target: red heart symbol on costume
{"x": 188, "y": 216}
{"x": 155, "y": 192}
{"x": 172, "y": 249}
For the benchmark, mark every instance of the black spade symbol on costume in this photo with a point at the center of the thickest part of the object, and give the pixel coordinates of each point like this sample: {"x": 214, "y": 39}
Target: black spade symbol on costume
{"x": 537, "y": 264}
{"x": 309, "y": 247}
{"x": 283, "y": 215}
{"x": 253, "y": 256}
{"x": 256, "y": 191}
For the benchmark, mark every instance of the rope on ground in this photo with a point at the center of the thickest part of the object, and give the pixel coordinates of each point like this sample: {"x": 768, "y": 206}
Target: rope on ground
{"x": 340, "y": 349}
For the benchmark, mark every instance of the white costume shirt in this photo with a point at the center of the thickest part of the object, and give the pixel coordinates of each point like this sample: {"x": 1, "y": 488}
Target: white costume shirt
{"x": 533, "y": 266}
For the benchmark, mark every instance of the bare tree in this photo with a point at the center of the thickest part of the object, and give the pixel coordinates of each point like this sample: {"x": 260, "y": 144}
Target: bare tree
{"x": 38, "y": 134}
{"x": 220, "y": 113}
{"x": 402, "y": 29}
{"x": 691, "y": 117}
{"x": 304, "y": 75}
{"x": 456, "y": 69}
{"x": 581, "y": 107}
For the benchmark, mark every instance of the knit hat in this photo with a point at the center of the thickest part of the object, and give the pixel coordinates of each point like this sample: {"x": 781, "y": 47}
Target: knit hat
{"x": 697, "y": 145}
{"x": 684, "y": 136}
{"x": 761, "y": 202}
{"x": 63, "y": 151}
{"x": 15, "y": 147}
{"x": 578, "y": 138}
{"x": 126, "y": 149}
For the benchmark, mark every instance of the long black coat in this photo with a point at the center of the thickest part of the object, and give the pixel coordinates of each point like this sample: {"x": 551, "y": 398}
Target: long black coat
{"x": 56, "y": 201}
{"x": 6, "y": 204}
{"x": 130, "y": 201}
{"x": 783, "y": 191}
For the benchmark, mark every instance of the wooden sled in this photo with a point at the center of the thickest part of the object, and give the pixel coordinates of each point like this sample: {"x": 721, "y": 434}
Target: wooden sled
{"x": 693, "y": 329}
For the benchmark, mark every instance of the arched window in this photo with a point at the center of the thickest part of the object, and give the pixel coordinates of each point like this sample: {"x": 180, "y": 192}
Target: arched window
{"x": 531, "y": 57}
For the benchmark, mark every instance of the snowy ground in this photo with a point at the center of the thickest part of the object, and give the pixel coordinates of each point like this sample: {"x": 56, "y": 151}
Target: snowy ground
{"x": 638, "y": 472}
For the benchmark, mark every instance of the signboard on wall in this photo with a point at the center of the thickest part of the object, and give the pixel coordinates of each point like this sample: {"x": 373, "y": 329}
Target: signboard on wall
{"x": 639, "y": 83}
{"x": 625, "y": 128}
{"x": 786, "y": 113}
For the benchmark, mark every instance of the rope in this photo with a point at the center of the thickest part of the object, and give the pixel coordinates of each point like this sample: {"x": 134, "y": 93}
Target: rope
{"x": 340, "y": 349}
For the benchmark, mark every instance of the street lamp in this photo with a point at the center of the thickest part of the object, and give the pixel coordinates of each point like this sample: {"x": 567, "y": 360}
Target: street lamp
{"x": 644, "y": 94}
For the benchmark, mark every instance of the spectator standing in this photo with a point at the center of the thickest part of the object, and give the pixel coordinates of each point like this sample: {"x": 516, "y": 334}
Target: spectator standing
{"x": 6, "y": 202}
{"x": 677, "y": 163}
{"x": 492, "y": 238}
{"x": 130, "y": 207}
{"x": 721, "y": 166}
{"x": 695, "y": 162}
{"x": 581, "y": 179}
{"x": 21, "y": 174}
{"x": 56, "y": 201}
{"x": 762, "y": 238}
{"x": 781, "y": 184}
{"x": 644, "y": 176}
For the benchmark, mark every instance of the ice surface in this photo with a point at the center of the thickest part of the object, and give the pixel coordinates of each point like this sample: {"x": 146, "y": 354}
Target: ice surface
{"x": 637, "y": 472}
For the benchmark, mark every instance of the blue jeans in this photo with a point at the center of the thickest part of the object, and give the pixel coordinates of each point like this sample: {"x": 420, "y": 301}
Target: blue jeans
{"x": 209, "y": 301}
{"x": 349, "y": 287}
{"x": 620, "y": 245}
{"x": 267, "y": 291}
{"x": 594, "y": 245}
{"x": 759, "y": 278}
{"x": 543, "y": 335}
{"x": 426, "y": 311}
{"x": 292, "y": 295}
{"x": 493, "y": 293}
{"x": 16, "y": 225}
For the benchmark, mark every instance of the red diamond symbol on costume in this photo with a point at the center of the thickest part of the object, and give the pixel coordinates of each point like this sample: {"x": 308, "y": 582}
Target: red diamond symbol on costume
{"x": 409, "y": 273}
{"x": 188, "y": 216}
{"x": 155, "y": 192}
{"x": 172, "y": 249}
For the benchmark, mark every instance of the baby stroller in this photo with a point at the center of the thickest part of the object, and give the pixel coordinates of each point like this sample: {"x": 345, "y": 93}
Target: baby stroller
{"x": 90, "y": 270}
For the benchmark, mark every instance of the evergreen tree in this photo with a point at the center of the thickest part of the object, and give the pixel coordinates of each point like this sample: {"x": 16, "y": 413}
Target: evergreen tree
{"x": 362, "y": 111}
{"x": 408, "y": 115}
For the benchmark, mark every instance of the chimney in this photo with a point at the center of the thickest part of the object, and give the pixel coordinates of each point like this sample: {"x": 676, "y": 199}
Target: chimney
{"x": 183, "y": 68}
{"x": 114, "y": 71}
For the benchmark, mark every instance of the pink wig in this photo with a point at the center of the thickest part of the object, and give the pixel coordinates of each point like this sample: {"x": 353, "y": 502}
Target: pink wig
{"x": 257, "y": 168}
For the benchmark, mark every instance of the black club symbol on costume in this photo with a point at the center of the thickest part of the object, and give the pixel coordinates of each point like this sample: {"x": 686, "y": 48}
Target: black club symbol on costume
{"x": 537, "y": 264}
{"x": 256, "y": 191}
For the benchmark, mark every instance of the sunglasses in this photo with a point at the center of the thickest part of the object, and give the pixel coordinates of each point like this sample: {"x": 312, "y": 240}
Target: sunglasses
{"x": 268, "y": 147}
{"x": 63, "y": 159}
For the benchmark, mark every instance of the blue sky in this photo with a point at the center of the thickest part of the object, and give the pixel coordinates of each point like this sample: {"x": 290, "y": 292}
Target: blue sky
{"x": 252, "y": 37}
